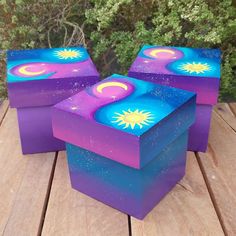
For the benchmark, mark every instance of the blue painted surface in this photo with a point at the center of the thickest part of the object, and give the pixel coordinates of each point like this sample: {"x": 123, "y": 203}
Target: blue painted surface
{"x": 47, "y": 61}
{"x": 211, "y": 58}
{"x": 156, "y": 100}
{"x": 127, "y": 189}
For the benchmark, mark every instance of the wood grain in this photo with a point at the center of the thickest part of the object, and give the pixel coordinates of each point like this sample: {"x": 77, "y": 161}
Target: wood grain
{"x": 3, "y": 109}
{"x": 226, "y": 113}
{"x": 186, "y": 210}
{"x": 219, "y": 165}
{"x": 233, "y": 107}
{"x": 23, "y": 182}
{"x": 72, "y": 213}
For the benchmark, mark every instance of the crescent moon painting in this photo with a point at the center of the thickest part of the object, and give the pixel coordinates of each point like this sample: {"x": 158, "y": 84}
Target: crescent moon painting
{"x": 112, "y": 89}
{"x": 55, "y": 63}
{"x": 177, "y": 61}
{"x": 163, "y": 53}
{"x": 124, "y": 103}
{"x": 111, "y": 84}
{"x": 25, "y": 70}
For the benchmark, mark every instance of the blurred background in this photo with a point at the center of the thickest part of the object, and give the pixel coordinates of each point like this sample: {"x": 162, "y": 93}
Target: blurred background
{"x": 114, "y": 30}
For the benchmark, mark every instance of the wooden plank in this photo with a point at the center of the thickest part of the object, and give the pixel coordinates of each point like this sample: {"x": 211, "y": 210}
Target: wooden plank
{"x": 23, "y": 182}
{"x": 186, "y": 210}
{"x": 233, "y": 107}
{"x": 219, "y": 165}
{"x": 3, "y": 109}
{"x": 70, "y": 212}
{"x": 225, "y": 112}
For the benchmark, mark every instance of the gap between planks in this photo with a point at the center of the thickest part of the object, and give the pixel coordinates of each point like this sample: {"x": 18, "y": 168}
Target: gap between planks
{"x": 211, "y": 162}
{"x": 49, "y": 193}
{"x": 70, "y": 212}
{"x": 186, "y": 210}
{"x": 129, "y": 225}
{"x": 227, "y": 112}
{"x": 24, "y": 180}
{"x": 211, "y": 193}
{"x": 4, "y": 106}
{"x": 232, "y": 106}
{"x": 47, "y": 196}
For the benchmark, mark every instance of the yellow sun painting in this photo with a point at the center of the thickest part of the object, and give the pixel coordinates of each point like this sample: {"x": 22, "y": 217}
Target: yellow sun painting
{"x": 134, "y": 118}
{"x": 68, "y": 54}
{"x": 195, "y": 67}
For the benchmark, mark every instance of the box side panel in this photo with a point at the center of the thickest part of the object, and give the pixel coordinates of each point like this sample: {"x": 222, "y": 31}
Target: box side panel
{"x": 199, "y": 131}
{"x": 153, "y": 141}
{"x": 36, "y": 130}
{"x": 103, "y": 140}
{"x": 131, "y": 191}
{"x": 47, "y": 92}
{"x": 207, "y": 89}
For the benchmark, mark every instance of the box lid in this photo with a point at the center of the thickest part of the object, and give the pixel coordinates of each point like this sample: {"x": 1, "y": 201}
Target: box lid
{"x": 42, "y": 77}
{"x": 124, "y": 119}
{"x": 193, "y": 69}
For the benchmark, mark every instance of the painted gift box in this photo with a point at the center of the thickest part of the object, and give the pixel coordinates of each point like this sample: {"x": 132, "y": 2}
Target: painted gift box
{"x": 126, "y": 140}
{"x": 40, "y": 78}
{"x": 196, "y": 70}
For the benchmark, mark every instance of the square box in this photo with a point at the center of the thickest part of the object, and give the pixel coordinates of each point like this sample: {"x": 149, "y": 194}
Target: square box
{"x": 124, "y": 119}
{"x": 40, "y": 78}
{"x": 132, "y": 191}
{"x": 196, "y": 70}
{"x": 126, "y": 141}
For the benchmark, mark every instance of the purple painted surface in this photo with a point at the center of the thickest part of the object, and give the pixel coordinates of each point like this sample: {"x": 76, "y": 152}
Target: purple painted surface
{"x": 36, "y": 130}
{"x": 106, "y": 141}
{"x": 40, "y": 78}
{"x": 49, "y": 92}
{"x": 134, "y": 192}
{"x": 193, "y": 69}
{"x": 205, "y": 88}
{"x": 145, "y": 64}
{"x": 125, "y": 203}
{"x": 199, "y": 131}
{"x": 75, "y": 69}
{"x": 119, "y": 116}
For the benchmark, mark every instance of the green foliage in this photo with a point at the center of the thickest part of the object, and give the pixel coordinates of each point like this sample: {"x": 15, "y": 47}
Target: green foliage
{"x": 114, "y": 30}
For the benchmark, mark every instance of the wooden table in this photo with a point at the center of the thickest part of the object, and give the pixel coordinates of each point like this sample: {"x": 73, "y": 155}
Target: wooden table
{"x": 36, "y": 197}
